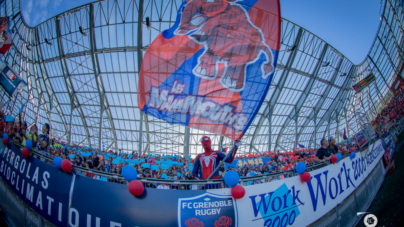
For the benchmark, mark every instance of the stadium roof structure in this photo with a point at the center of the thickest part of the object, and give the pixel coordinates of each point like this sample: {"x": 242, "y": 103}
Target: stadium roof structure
{"x": 82, "y": 72}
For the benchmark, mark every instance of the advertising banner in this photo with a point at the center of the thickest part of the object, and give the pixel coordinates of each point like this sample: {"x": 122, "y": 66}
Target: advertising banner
{"x": 41, "y": 186}
{"x": 241, "y": 162}
{"x": 10, "y": 80}
{"x": 388, "y": 145}
{"x": 287, "y": 202}
{"x": 290, "y": 202}
{"x": 213, "y": 68}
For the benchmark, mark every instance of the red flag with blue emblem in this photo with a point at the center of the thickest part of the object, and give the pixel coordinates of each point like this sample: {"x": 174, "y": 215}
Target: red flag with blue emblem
{"x": 213, "y": 68}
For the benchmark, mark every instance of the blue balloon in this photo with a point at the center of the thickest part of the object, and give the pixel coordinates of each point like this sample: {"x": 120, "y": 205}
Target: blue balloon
{"x": 28, "y": 144}
{"x": 300, "y": 168}
{"x": 231, "y": 178}
{"x": 57, "y": 161}
{"x": 129, "y": 173}
{"x": 353, "y": 155}
{"x": 339, "y": 156}
{"x": 5, "y": 136}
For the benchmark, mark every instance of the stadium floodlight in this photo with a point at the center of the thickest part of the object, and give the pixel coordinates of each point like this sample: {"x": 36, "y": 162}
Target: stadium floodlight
{"x": 326, "y": 64}
{"x": 82, "y": 31}
{"x": 48, "y": 42}
{"x": 148, "y": 23}
{"x": 291, "y": 49}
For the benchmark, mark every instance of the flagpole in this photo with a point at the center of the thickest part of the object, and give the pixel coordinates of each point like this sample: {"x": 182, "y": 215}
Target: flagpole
{"x": 222, "y": 162}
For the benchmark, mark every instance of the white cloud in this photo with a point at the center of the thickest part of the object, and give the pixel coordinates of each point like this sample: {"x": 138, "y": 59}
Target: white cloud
{"x": 44, "y": 3}
{"x": 56, "y": 3}
{"x": 44, "y": 17}
{"x": 28, "y": 8}
{"x": 26, "y": 18}
{"x": 36, "y": 19}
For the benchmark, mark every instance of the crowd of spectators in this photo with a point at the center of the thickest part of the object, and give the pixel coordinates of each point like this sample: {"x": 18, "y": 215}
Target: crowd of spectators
{"x": 180, "y": 167}
{"x": 391, "y": 113}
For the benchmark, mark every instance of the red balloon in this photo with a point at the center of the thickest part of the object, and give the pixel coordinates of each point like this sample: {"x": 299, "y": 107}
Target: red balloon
{"x": 238, "y": 192}
{"x": 5, "y": 142}
{"x": 136, "y": 188}
{"x": 25, "y": 152}
{"x": 334, "y": 159}
{"x": 304, "y": 177}
{"x": 66, "y": 165}
{"x": 352, "y": 151}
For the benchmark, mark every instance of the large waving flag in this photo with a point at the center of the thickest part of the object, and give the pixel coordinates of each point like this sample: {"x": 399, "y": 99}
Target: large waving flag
{"x": 213, "y": 68}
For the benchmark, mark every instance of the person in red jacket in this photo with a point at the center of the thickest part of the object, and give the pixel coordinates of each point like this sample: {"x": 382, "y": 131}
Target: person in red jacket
{"x": 207, "y": 162}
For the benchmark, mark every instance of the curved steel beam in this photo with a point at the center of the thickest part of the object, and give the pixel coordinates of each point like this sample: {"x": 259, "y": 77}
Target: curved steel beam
{"x": 305, "y": 94}
{"x": 100, "y": 85}
{"x": 323, "y": 98}
{"x": 48, "y": 84}
{"x": 277, "y": 93}
{"x": 341, "y": 97}
{"x": 75, "y": 104}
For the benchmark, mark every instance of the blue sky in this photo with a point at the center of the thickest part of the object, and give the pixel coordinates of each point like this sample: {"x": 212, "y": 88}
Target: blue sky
{"x": 348, "y": 25}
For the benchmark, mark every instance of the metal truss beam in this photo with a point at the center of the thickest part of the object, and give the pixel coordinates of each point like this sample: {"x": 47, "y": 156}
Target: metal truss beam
{"x": 48, "y": 84}
{"x": 380, "y": 73}
{"x": 341, "y": 97}
{"x": 81, "y": 142}
{"x": 75, "y": 104}
{"x": 323, "y": 98}
{"x": 293, "y": 70}
{"x": 270, "y": 106}
{"x": 100, "y": 85}
{"x": 88, "y": 52}
{"x": 186, "y": 144}
{"x": 305, "y": 94}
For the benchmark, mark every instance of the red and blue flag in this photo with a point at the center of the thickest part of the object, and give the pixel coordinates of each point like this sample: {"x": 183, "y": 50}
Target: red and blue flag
{"x": 213, "y": 68}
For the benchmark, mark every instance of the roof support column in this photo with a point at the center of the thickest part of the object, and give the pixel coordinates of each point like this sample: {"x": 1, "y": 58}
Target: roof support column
{"x": 70, "y": 126}
{"x": 139, "y": 64}
{"x": 337, "y": 131}
{"x": 315, "y": 131}
{"x": 100, "y": 130}
{"x": 270, "y": 131}
{"x": 221, "y": 142}
{"x": 140, "y": 133}
{"x": 296, "y": 135}
{"x": 347, "y": 124}
{"x": 186, "y": 145}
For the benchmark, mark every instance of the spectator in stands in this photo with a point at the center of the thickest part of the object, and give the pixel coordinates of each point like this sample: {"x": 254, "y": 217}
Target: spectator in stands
{"x": 332, "y": 147}
{"x": 43, "y": 139}
{"x": 323, "y": 153}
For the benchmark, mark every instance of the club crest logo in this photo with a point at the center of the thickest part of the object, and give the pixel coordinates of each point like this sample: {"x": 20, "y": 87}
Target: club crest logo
{"x": 206, "y": 210}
